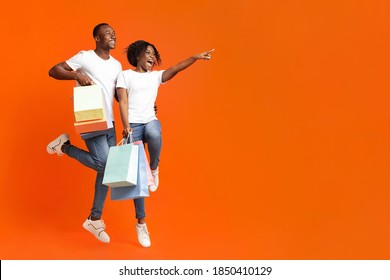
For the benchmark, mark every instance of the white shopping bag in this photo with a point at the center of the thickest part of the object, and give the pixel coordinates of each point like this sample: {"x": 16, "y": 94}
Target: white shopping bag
{"x": 88, "y": 103}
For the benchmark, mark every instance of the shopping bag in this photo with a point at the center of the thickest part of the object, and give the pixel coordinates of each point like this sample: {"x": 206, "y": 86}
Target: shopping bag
{"x": 88, "y": 103}
{"x": 148, "y": 171}
{"x": 89, "y": 126}
{"x": 139, "y": 190}
{"x": 122, "y": 166}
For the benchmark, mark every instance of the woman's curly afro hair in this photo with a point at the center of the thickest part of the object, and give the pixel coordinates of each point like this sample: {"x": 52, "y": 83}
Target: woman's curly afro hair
{"x": 137, "y": 48}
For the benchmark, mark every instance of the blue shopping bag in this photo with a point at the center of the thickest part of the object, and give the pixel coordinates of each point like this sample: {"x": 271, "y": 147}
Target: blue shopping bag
{"x": 141, "y": 188}
{"x": 122, "y": 166}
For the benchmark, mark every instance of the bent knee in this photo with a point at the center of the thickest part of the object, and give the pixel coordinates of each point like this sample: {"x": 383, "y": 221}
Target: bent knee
{"x": 101, "y": 166}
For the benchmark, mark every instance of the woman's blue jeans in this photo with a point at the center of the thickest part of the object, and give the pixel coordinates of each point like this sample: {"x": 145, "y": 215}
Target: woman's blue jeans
{"x": 149, "y": 133}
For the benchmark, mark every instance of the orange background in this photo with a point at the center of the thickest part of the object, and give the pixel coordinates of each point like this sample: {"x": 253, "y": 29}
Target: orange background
{"x": 277, "y": 148}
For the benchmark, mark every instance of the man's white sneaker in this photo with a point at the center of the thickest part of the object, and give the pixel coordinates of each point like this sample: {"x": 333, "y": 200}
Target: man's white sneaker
{"x": 97, "y": 228}
{"x": 55, "y": 145}
{"x": 143, "y": 235}
{"x": 156, "y": 180}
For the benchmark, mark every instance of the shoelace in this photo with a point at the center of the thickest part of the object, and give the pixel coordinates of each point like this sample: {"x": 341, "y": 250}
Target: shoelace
{"x": 102, "y": 227}
{"x": 102, "y": 224}
{"x": 144, "y": 230}
{"x": 154, "y": 175}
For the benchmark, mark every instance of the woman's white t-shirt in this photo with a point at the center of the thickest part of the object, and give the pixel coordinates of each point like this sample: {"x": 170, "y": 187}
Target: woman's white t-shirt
{"x": 142, "y": 91}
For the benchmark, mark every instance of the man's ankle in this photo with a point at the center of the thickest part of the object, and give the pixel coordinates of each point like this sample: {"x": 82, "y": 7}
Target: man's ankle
{"x": 64, "y": 145}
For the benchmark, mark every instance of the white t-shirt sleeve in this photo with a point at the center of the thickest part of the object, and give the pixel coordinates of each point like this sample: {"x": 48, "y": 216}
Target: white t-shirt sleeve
{"x": 76, "y": 61}
{"x": 121, "y": 81}
{"x": 160, "y": 76}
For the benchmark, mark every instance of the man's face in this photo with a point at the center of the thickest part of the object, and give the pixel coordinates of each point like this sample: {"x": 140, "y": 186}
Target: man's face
{"x": 106, "y": 37}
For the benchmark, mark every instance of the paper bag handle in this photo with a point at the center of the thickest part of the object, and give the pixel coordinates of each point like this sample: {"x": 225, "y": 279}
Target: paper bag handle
{"x": 125, "y": 140}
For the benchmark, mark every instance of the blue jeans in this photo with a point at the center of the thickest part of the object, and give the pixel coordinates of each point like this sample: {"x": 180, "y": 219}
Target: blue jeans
{"x": 96, "y": 159}
{"x": 149, "y": 133}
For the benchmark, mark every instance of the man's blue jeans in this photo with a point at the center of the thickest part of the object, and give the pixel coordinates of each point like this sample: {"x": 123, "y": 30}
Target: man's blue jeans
{"x": 96, "y": 159}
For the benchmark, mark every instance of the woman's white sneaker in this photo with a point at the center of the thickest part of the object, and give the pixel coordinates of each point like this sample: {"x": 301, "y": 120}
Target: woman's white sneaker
{"x": 156, "y": 180}
{"x": 143, "y": 235}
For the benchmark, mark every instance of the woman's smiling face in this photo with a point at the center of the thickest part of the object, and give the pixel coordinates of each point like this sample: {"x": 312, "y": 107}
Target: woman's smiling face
{"x": 147, "y": 59}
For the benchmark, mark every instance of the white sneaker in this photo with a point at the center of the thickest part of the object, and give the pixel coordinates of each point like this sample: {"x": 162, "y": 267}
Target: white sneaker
{"x": 97, "y": 228}
{"x": 143, "y": 235}
{"x": 55, "y": 145}
{"x": 152, "y": 187}
{"x": 156, "y": 180}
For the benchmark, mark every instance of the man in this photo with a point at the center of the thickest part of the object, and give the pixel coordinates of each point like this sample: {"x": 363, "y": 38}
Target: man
{"x": 100, "y": 68}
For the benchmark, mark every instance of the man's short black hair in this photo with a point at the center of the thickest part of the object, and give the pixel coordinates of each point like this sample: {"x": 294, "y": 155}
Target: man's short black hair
{"x": 97, "y": 27}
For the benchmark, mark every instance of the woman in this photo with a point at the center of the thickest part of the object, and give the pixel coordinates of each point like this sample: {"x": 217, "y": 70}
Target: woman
{"x": 137, "y": 91}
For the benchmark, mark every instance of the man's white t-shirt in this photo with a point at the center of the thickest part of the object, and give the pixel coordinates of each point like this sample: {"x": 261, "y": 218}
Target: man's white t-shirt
{"x": 142, "y": 91}
{"x": 104, "y": 74}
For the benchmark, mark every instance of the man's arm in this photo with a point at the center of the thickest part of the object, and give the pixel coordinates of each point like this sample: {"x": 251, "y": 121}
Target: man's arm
{"x": 62, "y": 71}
